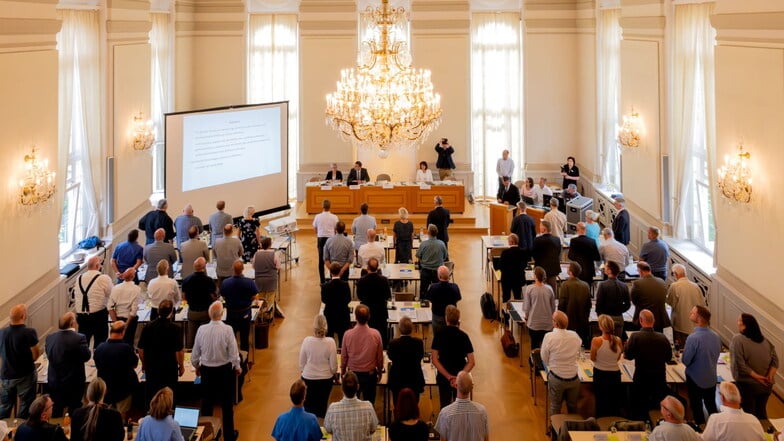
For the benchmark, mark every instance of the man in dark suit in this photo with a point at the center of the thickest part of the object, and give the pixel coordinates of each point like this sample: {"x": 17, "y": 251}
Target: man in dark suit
{"x": 373, "y": 291}
{"x": 547, "y": 254}
{"x": 440, "y": 217}
{"x": 650, "y": 293}
{"x": 116, "y": 362}
{"x": 155, "y": 219}
{"x": 335, "y": 295}
{"x": 358, "y": 175}
{"x": 524, "y": 227}
{"x": 442, "y": 294}
{"x": 334, "y": 174}
{"x": 512, "y": 265}
{"x": 621, "y": 224}
{"x": 574, "y": 299}
{"x": 508, "y": 194}
{"x": 67, "y": 352}
{"x": 160, "y": 349}
{"x": 583, "y": 250}
{"x": 650, "y": 351}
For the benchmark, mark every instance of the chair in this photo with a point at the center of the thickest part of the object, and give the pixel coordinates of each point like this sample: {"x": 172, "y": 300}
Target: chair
{"x": 212, "y": 427}
{"x": 519, "y": 184}
{"x": 628, "y": 426}
{"x": 557, "y": 424}
{"x": 383, "y": 177}
{"x": 404, "y": 296}
{"x": 534, "y": 365}
{"x": 576, "y": 426}
{"x": 315, "y": 179}
{"x": 451, "y": 267}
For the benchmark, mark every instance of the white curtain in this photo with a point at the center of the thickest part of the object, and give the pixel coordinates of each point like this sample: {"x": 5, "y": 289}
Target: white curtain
{"x": 496, "y": 96}
{"x": 693, "y": 121}
{"x": 608, "y": 86}
{"x": 80, "y": 112}
{"x": 162, "y": 54}
{"x": 273, "y": 73}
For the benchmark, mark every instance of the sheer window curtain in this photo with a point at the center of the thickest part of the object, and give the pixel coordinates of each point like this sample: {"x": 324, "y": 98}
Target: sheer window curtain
{"x": 496, "y": 96}
{"x": 693, "y": 120}
{"x": 79, "y": 129}
{"x": 273, "y": 73}
{"x": 608, "y": 86}
{"x": 161, "y": 48}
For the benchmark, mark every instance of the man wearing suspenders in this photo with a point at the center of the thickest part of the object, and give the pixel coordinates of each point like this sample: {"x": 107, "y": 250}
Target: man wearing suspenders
{"x": 90, "y": 297}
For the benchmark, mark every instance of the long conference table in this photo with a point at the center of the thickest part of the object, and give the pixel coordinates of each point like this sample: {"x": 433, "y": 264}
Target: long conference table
{"x": 386, "y": 198}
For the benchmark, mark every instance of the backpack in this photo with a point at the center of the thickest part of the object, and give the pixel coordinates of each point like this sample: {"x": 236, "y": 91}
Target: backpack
{"x": 487, "y": 303}
{"x": 511, "y": 348}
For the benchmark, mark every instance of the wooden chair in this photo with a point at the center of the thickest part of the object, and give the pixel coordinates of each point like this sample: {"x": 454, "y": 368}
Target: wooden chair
{"x": 315, "y": 179}
{"x": 404, "y": 296}
{"x": 383, "y": 177}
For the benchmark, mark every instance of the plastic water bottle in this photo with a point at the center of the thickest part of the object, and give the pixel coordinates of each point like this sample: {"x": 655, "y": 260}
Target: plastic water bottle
{"x": 582, "y": 353}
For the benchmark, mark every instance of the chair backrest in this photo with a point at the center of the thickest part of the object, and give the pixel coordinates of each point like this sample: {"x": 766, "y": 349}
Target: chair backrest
{"x": 383, "y": 177}
{"x": 315, "y": 179}
{"x": 628, "y": 426}
{"x": 451, "y": 266}
{"x": 405, "y": 296}
{"x": 519, "y": 185}
{"x": 589, "y": 424}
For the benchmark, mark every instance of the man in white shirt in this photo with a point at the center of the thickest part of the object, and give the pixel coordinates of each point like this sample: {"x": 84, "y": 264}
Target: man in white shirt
{"x": 732, "y": 423}
{"x": 324, "y": 226}
{"x": 560, "y": 349}
{"x": 612, "y": 250}
{"x": 504, "y": 167}
{"x": 163, "y": 288}
{"x": 541, "y": 190}
{"x": 93, "y": 289}
{"x": 557, "y": 220}
{"x": 371, "y": 249}
{"x": 217, "y": 361}
{"x": 124, "y": 304}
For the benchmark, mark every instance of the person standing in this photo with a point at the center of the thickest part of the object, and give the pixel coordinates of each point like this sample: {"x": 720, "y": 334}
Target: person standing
{"x": 184, "y": 222}
{"x": 374, "y": 292}
{"x": 339, "y": 249}
{"x": 512, "y": 265}
{"x": 407, "y": 425}
{"x": 190, "y": 250}
{"x": 570, "y": 172}
{"x": 249, "y": 233}
{"x": 606, "y": 350}
{"x": 612, "y": 297}
{"x": 218, "y": 220}
{"x": 442, "y": 293}
{"x": 128, "y": 254}
{"x": 116, "y": 363}
{"x": 700, "y": 353}
{"x": 324, "y": 225}
{"x": 583, "y": 250}
{"x": 621, "y": 225}
{"x": 238, "y": 292}
{"x": 155, "y": 252}
{"x": 432, "y": 253}
{"x": 574, "y": 299}
{"x": 452, "y": 353}
{"x": 524, "y": 227}
{"x": 228, "y": 250}
{"x": 155, "y": 219}
{"x": 362, "y": 352}
{"x": 124, "y": 304}
{"x": 361, "y": 225}
{"x": 161, "y": 351}
{"x": 656, "y": 252}
{"x": 297, "y": 424}
{"x": 557, "y": 220}
{"x": 91, "y": 296}
{"x": 683, "y": 295}
{"x": 336, "y": 295}
{"x": 560, "y": 349}
{"x": 266, "y": 265}
{"x": 441, "y": 218}
{"x": 504, "y": 167}
{"x": 318, "y": 363}
{"x": 351, "y": 418}
{"x": 464, "y": 419}
{"x": 444, "y": 163}
{"x": 67, "y": 352}
{"x": 18, "y": 351}
{"x": 546, "y": 253}
{"x": 650, "y": 351}
{"x": 199, "y": 291}
{"x": 406, "y": 353}
{"x": 754, "y": 363}
{"x": 650, "y": 293}
{"x": 217, "y": 362}
{"x": 538, "y": 305}
{"x": 403, "y": 233}
{"x": 161, "y": 288}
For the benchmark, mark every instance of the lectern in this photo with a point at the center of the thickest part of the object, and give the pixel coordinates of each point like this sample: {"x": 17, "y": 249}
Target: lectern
{"x": 500, "y": 218}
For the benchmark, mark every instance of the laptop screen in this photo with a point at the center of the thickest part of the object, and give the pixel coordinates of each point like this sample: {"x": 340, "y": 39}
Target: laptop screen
{"x": 186, "y": 416}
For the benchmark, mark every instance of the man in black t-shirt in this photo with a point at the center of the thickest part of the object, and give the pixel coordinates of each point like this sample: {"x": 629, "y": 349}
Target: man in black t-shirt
{"x": 18, "y": 350}
{"x": 160, "y": 349}
{"x": 200, "y": 291}
{"x": 442, "y": 294}
{"x": 452, "y": 353}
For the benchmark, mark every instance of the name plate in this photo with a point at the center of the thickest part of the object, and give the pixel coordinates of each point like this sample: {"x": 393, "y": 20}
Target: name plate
{"x": 353, "y": 187}
{"x": 326, "y": 187}
{"x": 388, "y": 185}
{"x": 424, "y": 186}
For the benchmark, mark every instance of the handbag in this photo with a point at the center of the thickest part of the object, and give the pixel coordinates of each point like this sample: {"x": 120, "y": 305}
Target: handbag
{"x": 510, "y": 346}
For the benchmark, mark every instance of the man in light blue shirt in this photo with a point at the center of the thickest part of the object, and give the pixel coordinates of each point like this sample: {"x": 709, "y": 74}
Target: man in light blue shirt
{"x": 184, "y": 222}
{"x": 656, "y": 252}
{"x": 339, "y": 248}
{"x": 700, "y": 355}
{"x": 361, "y": 225}
{"x": 217, "y": 361}
{"x": 431, "y": 254}
{"x": 296, "y": 424}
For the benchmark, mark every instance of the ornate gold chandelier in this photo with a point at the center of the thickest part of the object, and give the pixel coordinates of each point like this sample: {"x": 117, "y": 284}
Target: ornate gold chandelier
{"x": 630, "y": 132}
{"x": 383, "y": 103}
{"x": 735, "y": 177}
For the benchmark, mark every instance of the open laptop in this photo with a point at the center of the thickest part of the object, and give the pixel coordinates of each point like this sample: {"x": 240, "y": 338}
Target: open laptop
{"x": 188, "y": 418}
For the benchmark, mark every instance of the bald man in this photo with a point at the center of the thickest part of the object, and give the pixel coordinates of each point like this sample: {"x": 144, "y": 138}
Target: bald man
{"x": 184, "y": 222}
{"x": 673, "y": 427}
{"x": 200, "y": 291}
{"x": 116, "y": 363}
{"x": 650, "y": 351}
{"x": 91, "y": 296}
{"x": 371, "y": 249}
{"x": 157, "y": 218}
{"x": 560, "y": 349}
{"x": 18, "y": 352}
{"x": 124, "y": 304}
{"x": 464, "y": 419}
{"x": 239, "y": 291}
{"x": 157, "y": 251}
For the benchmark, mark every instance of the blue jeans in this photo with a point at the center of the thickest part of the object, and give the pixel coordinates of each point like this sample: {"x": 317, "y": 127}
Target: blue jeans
{"x": 23, "y": 387}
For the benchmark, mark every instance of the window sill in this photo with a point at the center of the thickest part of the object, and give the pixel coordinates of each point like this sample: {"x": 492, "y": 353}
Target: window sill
{"x": 690, "y": 251}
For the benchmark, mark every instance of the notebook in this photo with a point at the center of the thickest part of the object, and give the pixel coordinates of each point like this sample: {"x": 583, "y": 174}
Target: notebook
{"x": 188, "y": 418}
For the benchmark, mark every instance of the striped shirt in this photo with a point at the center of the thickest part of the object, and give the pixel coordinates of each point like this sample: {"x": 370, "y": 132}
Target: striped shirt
{"x": 463, "y": 420}
{"x": 350, "y": 420}
{"x": 215, "y": 346}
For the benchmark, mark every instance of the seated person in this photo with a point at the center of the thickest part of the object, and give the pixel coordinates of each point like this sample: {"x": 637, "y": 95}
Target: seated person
{"x": 508, "y": 194}
{"x": 424, "y": 174}
{"x": 542, "y": 190}
{"x": 358, "y": 175}
{"x": 334, "y": 174}
{"x": 570, "y": 193}
{"x": 529, "y": 190}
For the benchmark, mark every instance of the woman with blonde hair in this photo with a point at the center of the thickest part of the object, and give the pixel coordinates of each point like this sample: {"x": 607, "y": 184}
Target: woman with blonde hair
{"x": 96, "y": 421}
{"x": 318, "y": 363}
{"x": 606, "y": 350}
{"x": 159, "y": 424}
{"x": 403, "y": 233}
{"x": 249, "y": 234}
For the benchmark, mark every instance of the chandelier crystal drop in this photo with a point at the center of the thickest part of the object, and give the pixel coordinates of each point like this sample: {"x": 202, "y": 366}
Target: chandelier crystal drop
{"x": 384, "y": 104}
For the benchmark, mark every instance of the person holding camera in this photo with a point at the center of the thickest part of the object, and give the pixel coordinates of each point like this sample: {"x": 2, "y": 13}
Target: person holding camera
{"x": 570, "y": 172}
{"x": 445, "y": 164}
